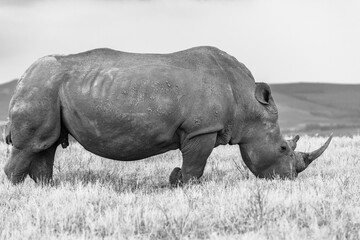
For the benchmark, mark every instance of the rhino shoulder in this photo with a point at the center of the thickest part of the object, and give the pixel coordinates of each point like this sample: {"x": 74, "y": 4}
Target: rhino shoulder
{"x": 223, "y": 59}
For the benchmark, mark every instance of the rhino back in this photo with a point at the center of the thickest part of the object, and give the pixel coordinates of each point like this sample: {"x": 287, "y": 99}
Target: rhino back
{"x": 129, "y": 106}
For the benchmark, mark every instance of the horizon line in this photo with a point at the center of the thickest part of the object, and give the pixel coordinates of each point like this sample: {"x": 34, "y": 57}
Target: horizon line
{"x": 276, "y": 83}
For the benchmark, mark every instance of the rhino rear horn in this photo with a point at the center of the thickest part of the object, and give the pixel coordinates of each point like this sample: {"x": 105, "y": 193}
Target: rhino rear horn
{"x": 292, "y": 142}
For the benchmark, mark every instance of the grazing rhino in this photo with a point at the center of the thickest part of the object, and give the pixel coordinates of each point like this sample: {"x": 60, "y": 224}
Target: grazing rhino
{"x": 127, "y": 106}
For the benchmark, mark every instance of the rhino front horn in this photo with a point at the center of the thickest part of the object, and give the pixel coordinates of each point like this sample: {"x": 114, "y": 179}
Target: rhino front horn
{"x": 304, "y": 159}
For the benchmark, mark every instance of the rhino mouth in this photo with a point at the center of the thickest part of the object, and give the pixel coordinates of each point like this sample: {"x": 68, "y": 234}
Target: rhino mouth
{"x": 301, "y": 160}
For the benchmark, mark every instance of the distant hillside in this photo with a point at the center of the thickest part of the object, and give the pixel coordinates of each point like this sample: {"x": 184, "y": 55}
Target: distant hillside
{"x": 6, "y": 91}
{"x": 303, "y": 107}
{"x": 315, "y": 107}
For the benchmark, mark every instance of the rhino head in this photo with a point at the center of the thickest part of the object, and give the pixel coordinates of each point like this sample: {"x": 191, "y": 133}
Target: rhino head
{"x": 263, "y": 148}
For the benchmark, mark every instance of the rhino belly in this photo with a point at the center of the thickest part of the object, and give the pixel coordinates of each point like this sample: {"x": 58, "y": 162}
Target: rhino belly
{"x": 121, "y": 128}
{"x": 128, "y": 138}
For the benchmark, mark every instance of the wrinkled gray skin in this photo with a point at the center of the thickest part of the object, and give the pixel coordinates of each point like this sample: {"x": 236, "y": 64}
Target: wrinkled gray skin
{"x": 127, "y": 106}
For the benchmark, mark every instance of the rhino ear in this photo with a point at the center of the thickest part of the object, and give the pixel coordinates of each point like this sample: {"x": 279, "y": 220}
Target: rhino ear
{"x": 263, "y": 93}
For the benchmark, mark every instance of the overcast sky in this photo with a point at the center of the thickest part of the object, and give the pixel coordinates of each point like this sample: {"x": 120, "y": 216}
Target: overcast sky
{"x": 278, "y": 40}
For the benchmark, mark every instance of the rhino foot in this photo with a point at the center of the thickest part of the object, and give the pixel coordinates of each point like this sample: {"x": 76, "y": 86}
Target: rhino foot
{"x": 176, "y": 177}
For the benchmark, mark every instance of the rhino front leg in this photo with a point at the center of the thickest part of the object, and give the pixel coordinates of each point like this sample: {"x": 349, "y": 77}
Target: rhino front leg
{"x": 195, "y": 153}
{"x": 38, "y": 165}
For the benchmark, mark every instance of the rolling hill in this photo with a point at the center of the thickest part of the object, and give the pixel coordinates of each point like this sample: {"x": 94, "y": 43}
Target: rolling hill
{"x": 310, "y": 108}
{"x": 318, "y": 108}
{"x": 6, "y": 91}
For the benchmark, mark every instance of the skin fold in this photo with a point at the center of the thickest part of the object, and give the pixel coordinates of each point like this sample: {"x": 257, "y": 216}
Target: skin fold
{"x": 128, "y": 106}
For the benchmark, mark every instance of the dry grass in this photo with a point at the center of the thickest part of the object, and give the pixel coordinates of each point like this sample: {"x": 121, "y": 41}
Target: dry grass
{"x": 95, "y": 198}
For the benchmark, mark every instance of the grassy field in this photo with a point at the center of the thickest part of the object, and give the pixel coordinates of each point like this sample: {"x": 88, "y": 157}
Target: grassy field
{"x": 95, "y": 198}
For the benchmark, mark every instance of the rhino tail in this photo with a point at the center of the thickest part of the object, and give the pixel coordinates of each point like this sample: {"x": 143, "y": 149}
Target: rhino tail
{"x": 8, "y": 134}
{"x": 8, "y": 139}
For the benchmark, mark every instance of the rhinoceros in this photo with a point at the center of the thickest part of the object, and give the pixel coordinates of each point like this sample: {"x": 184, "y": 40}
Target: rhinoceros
{"x": 128, "y": 106}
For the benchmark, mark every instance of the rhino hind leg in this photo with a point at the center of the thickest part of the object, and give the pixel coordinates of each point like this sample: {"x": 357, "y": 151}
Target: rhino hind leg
{"x": 35, "y": 131}
{"x": 17, "y": 167}
{"x": 41, "y": 167}
{"x": 38, "y": 165}
{"x": 195, "y": 153}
